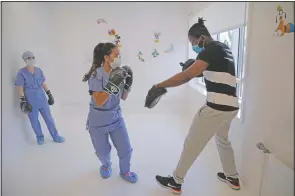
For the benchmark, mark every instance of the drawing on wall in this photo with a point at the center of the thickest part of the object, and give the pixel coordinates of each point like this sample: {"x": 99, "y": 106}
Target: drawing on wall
{"x": 139, "y": 55}
{"x": 280, "y": 20}
{"x": 112, "y": 32}
{"x": 155, "y": 53}
{"x": 117, "y": 37}
{"x": 157, "y": 37}
{"x": 170, "y": 49}
{"x": 101, "y": 21}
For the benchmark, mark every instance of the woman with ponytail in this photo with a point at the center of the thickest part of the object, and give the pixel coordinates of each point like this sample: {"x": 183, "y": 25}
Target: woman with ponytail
{"x": 108, "y": 83}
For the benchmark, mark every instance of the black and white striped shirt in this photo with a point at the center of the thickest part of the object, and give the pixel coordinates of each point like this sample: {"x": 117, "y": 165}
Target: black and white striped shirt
{"x": 219, "y": 76}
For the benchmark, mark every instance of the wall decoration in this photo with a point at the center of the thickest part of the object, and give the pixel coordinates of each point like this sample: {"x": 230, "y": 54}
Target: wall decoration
{"x": 112, "y": 32}
{"x": 139, "y": 55}
{"x": 101, "y": 21}
{"x": 170, "y": 49}
{"x": 117, "y": 37}
{"x": 157, "y": 37}
{"x": 155, "y": 53}
{"x": 280, "y": 20}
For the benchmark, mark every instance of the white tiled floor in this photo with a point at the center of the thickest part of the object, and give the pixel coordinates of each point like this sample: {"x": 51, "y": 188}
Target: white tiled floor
{"x": 73, "y": 169}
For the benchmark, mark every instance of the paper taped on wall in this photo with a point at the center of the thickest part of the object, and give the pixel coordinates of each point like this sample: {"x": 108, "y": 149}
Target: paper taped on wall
{"x": 117, "y": 37}
{"x": 101, "y": 21}
{"x": 170, "y": 49}
{"x": 155, "y": 53}
{"x": 139, "y": 55}
{"x": 157, "y": 37}
{"x": 282, "y": 28}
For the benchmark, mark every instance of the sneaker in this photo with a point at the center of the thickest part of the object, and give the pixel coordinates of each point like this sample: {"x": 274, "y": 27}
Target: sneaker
{"x": 232, "y": 182}
{"x": 40, "y": 140}
{"x": 105, "y": 172}
{"x": 59, "y": 139}
{"x": 130, "y": 177}
{"x": 169, "y": 183}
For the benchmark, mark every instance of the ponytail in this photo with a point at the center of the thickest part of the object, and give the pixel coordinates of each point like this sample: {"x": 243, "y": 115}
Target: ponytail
{"x": 99, "y": 52}
{"x": 199, "y": 29}
{"x": 98, "y": 58}
{"x": 92, "y": 71}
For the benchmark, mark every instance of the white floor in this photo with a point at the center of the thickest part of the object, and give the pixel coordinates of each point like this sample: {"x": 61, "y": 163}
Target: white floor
{"x": 73, "y": 169}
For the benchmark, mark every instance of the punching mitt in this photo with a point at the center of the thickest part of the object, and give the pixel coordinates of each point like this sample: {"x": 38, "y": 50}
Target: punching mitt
{"x": 153, "y": 97}
{"x": 187, "y": 64}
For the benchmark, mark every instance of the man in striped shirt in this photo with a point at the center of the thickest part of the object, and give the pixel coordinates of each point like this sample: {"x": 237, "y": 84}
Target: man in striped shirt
{"x": 215, "y": 61}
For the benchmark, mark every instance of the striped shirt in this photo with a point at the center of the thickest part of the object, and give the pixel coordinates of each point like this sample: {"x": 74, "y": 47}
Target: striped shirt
{"x": 220, "y": 77}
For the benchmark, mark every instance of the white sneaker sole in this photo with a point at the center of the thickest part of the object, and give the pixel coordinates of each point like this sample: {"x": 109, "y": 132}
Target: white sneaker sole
{"x": 229, "y": 184}
{"x": 170, "y": 189}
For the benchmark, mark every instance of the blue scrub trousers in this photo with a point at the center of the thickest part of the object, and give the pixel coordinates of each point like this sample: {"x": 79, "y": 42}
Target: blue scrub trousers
{"x": 49, "y": 121}
{"x": 118, "y": 133}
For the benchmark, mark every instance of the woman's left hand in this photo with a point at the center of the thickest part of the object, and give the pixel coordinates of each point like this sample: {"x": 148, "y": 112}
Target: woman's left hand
{"x": 124, "y": 95}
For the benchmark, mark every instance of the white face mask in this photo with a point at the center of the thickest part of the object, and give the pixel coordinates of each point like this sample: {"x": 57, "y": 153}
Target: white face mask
{"x": 31, "y": 62}
{"x": 116, "y": 63}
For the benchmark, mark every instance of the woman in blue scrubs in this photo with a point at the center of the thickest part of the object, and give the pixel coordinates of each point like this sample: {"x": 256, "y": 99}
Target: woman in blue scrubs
{"x": 105, "y": 119}
{"x": 32, "y": 87}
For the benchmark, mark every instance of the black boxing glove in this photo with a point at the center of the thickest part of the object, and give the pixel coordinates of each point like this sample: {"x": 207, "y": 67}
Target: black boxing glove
{"x": 50, "y": 97}
{"x": 187, "y": 64}
{"x": 24, "y": 105}
{"x": 117, "y": 77}
{"x": 129, "y": 79}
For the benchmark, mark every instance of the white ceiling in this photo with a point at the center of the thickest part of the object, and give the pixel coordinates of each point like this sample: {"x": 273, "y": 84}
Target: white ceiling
{"x": 194, "y": 7}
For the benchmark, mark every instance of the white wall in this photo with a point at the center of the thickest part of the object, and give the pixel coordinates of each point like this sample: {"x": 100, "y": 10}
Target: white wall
{"x": 63, "y": 36}
{"x": 193, "y": 8}
{"x": 222, "y": 16}
{"x": 269, "y": 92}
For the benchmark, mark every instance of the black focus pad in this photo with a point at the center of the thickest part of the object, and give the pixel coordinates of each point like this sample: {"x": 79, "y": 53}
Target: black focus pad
{"x": 188, "y": 63}
{"x": 153, "y": 97}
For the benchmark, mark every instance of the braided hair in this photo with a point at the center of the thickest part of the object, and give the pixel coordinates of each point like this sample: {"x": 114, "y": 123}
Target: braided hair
{"x": 199, "y": 29}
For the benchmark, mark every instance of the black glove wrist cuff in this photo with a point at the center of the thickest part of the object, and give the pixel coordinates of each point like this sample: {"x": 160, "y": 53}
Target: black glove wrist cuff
{"x": 23, "y": 98}
{"x": 48, "y": 92}
{"x": 127, "y": 88}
